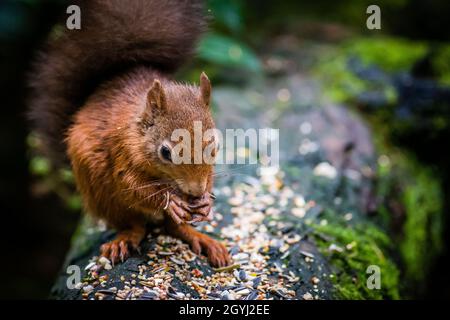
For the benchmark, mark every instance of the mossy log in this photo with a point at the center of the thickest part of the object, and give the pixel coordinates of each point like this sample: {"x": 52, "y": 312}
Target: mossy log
{"x": 304, "y": 230}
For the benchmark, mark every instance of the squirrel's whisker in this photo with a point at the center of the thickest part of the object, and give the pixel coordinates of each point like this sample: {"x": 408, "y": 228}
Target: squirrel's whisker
{"x": 231, "y": 170}
{"x": 231, "y": 174}
{"x": 154, "y": 183}
{"x": 212, "y": 195}
{"x": 148, "y": 197}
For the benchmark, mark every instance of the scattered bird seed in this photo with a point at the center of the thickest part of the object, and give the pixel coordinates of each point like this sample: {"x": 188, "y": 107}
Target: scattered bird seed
{"x": 256, "y": 282}
{"x": 225, "y": 295}
{"x": 150, "y": 295}
{"x": 315, "y": 280}
{"x": 242, "y": 275}
{"x": 307, "y": 254}
{"x": 308, "y": 296}
{"x": 253, "y": 295}
{"x": 252, "y": 242}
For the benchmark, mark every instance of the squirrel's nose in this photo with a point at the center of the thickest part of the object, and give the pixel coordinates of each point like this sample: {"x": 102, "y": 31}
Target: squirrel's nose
{"x": 195, "y": 190}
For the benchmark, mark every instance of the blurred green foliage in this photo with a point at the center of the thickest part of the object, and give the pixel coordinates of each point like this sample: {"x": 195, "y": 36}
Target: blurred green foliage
{"x": 339, "y": 83}
{"x": 422, "y": 241}
{"x": 411, "y": 205}
{"x": 224, "y": 51}
{"x": 49, "y": 179}
{"x": 391, "y": 54}
{"x": 442, "y": 63}
{"x": 224, "y": 46}
{"x": 226, "y": 15}
{"x": 404, "y": 181}
{"x": 40, "y": 166}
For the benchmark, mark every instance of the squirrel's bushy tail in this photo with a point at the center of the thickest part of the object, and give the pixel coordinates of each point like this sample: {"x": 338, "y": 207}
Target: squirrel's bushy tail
{"x": 114, "y": 35}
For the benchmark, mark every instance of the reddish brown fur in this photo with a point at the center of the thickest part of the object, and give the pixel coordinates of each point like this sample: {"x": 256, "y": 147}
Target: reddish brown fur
{"x": 114, "y": 128}
{"x": 114, "y": 36}
{"x": 114, "y": 153}
{"x": 113, "y": 157}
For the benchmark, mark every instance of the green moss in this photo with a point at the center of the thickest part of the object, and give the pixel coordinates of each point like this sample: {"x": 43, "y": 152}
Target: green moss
{"x": 422, "y": 230}
{"x": 340, "y": 84}
{"x": 410, "y": 193}
{"x": 442, "y": 63}
{"x": 363, "y": 245}
{"x": 390, "y": 54}
{"x": 417, "y": 193}
{"x": 416, "y": 189}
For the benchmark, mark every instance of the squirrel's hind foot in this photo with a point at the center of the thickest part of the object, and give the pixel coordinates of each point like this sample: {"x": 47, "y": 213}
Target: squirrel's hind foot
{"x": 119, "y": 248}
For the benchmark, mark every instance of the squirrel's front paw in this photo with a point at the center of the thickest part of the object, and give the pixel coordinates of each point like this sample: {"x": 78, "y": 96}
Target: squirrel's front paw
{"x": 183, "y": 211}
{"x": 201, "y": 209}
{"x": 178, "y": 209}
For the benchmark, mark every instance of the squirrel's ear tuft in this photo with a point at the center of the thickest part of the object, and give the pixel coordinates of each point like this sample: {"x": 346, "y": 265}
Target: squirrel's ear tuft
{"x": 155, "y": 96}
{"x": 205, "y": 89}
{"x": 155, "y": 99}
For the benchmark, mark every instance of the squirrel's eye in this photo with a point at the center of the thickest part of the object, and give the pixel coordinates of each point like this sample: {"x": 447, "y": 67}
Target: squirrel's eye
{"x": 165, "y": 153}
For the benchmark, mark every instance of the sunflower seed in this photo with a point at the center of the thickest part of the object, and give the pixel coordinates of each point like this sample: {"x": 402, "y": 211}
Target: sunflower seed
{"x": 253, "y": 295}
{"x": 242, "y": 275}
{"x": 256, "y": 282}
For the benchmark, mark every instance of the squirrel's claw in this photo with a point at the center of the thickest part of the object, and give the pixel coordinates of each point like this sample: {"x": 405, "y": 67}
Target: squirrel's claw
{"x": 199, "y": 217}
{"x": 204, "y": 202}
{"x": 176, "y": 213}
{"x": 179, "y": 202}
{"x": 216, "y": 252}
{"x": 123, "y": 251}
{"x": 114, "y": 250}
{"x": 182, "y": 212}
{"x": 118, "y": 250}
{"x": 198, "y": 205}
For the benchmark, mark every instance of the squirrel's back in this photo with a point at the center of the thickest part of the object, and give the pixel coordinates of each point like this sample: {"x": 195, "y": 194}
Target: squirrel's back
{"x": 115, "y": 35}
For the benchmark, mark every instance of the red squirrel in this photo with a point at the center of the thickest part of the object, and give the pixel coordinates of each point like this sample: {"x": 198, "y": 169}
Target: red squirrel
{"x": 103, "y": 98}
